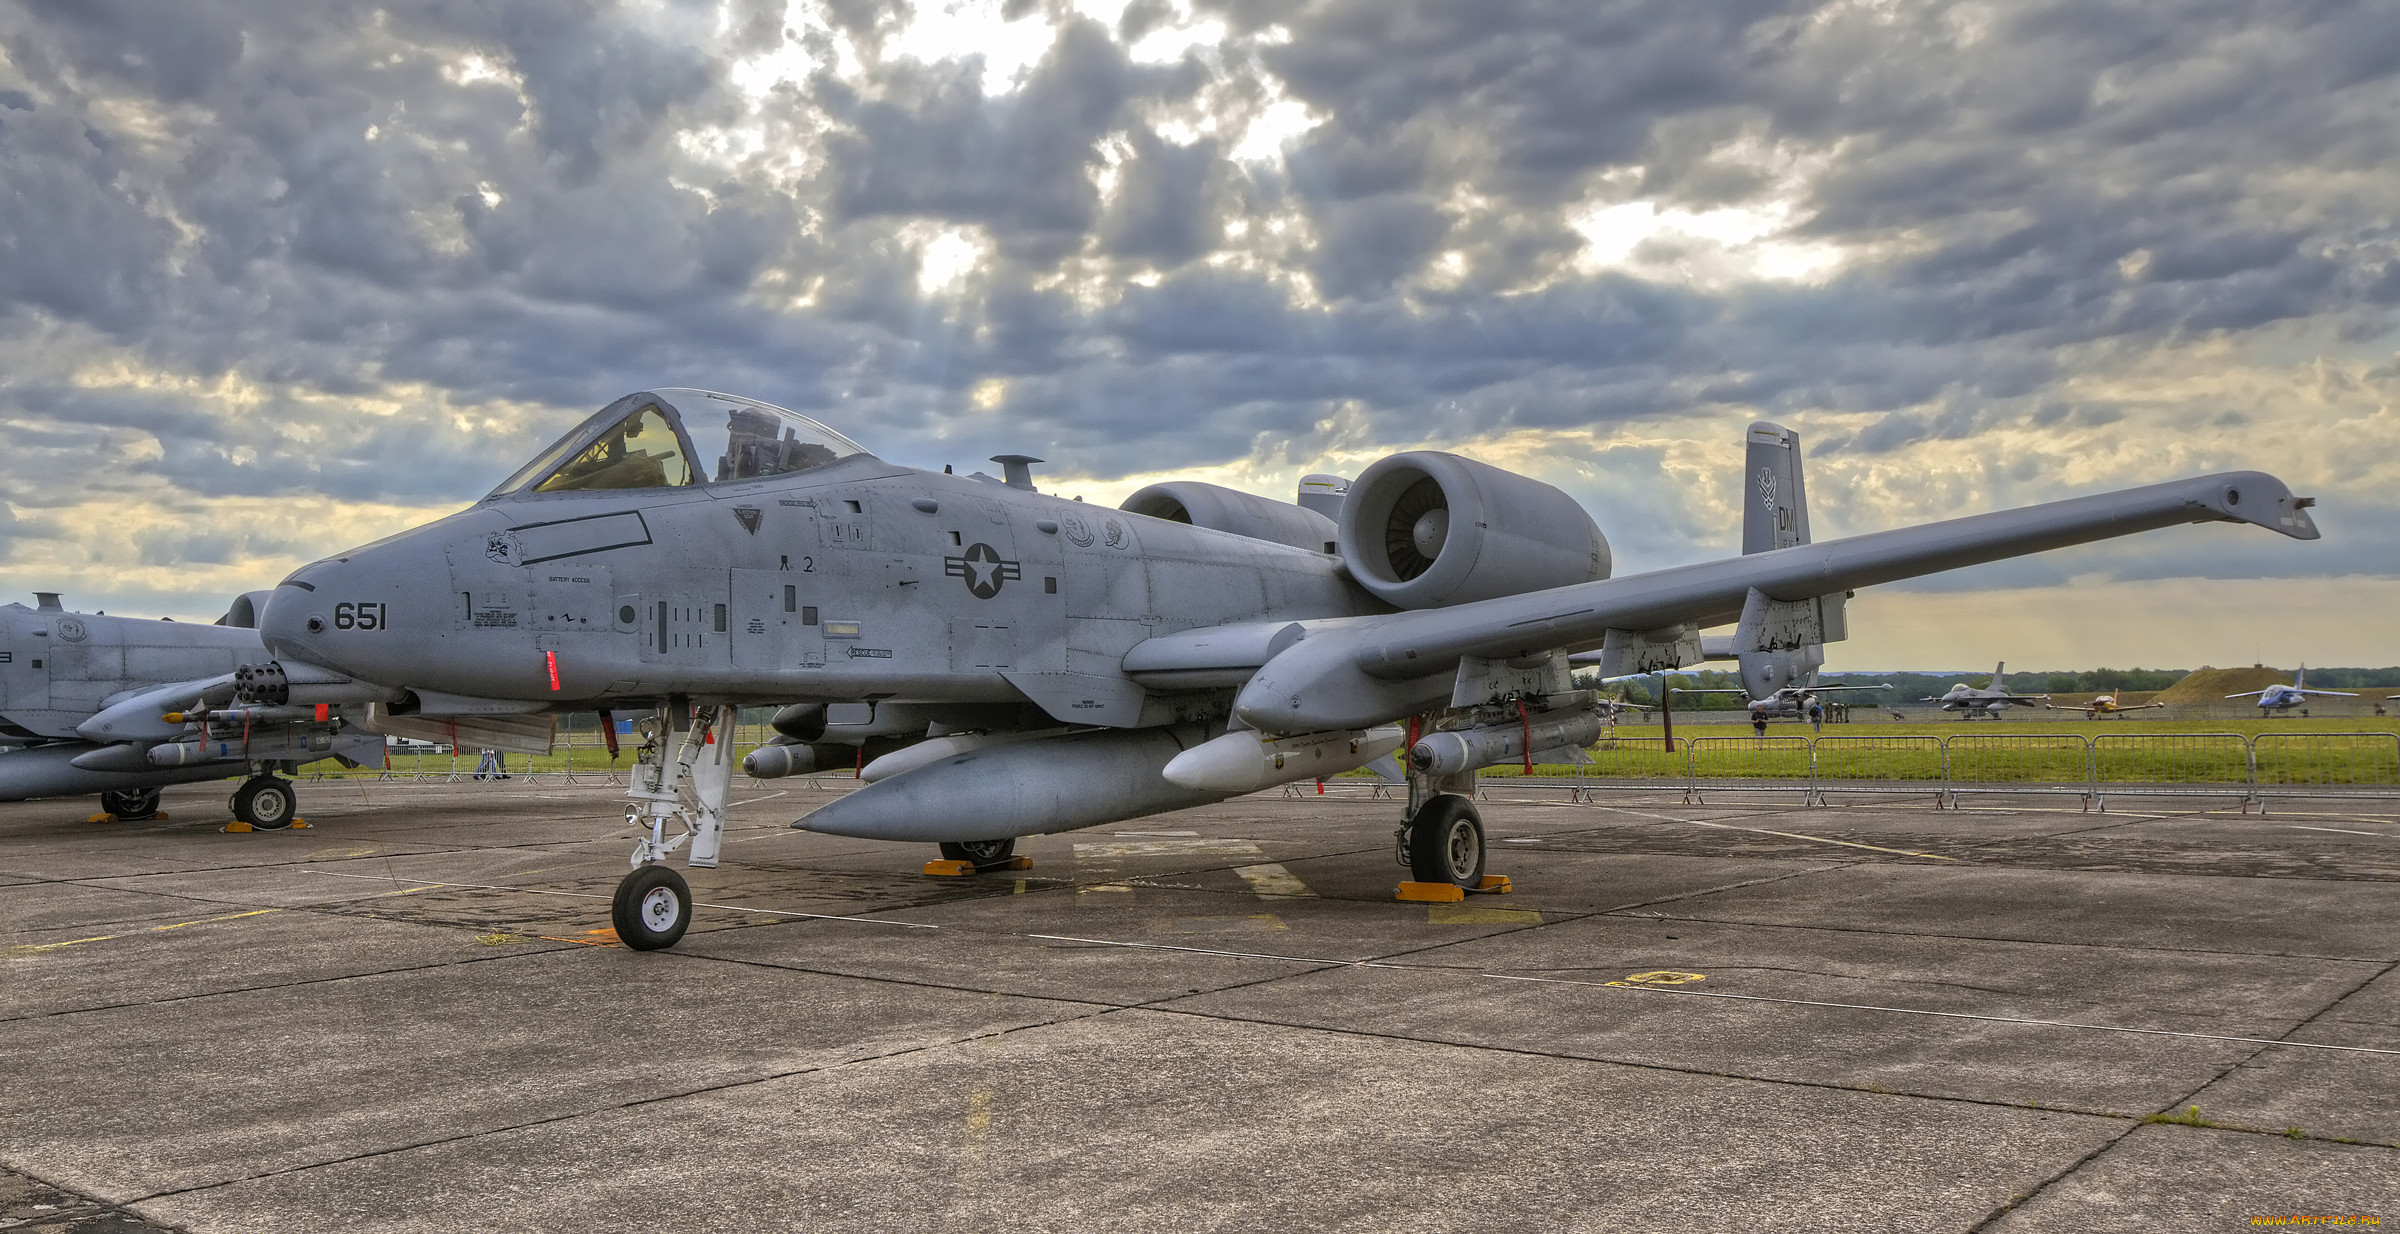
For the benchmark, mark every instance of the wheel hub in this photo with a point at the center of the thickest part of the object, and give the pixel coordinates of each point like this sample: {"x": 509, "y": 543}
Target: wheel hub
{"x": 659, "y": 908}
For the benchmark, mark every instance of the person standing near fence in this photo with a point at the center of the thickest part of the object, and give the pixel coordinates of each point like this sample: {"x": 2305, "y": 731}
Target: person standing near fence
{"x": 1758, "y": 722}
{"x": 494, "y": 765}
{"x": 1816, "y": 715}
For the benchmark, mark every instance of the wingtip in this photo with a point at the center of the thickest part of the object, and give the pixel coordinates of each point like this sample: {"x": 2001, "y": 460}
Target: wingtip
{"x": 2258, "y": 498}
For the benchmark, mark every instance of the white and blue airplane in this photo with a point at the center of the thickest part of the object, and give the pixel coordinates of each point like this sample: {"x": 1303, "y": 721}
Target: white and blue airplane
{"x": 2284, "y": 698}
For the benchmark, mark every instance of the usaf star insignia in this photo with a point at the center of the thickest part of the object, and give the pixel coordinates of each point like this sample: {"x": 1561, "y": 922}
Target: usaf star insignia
{"x": 983, "y": 570}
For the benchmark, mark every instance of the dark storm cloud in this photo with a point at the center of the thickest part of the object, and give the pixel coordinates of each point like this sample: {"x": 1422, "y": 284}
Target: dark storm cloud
{"x": 222, "y": 220}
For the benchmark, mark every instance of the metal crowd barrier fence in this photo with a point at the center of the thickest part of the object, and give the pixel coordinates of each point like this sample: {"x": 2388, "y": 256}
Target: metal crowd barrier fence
{"x": 2252, "y": 769}
{"x": 576, "y": 757}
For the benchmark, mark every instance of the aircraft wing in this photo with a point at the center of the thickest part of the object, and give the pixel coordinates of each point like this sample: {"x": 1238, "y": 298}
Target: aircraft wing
{"x": 2247, "y": 694}
{"x": 2333, "y": 693}
{"x": 1370, "y": 670}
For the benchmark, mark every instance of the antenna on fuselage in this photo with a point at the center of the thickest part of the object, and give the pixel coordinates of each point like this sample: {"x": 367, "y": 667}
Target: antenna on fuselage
{"x": 1018, "y": 468}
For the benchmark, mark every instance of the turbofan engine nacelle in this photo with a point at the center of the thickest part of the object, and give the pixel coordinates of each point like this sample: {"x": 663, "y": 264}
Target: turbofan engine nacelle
{"x": 1243, "y": 514}
{"x": 1427, "y": 529}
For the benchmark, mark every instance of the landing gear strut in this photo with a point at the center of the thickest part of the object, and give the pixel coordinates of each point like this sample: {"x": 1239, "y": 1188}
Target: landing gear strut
{"x": 264, "y": 802}
{"x": 683, "y": 776}
{"x": 130, "y": 805}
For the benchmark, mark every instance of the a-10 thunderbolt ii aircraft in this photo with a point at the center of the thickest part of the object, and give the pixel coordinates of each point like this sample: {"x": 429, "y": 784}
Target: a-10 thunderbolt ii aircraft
{"x": 1779, "y": 682}
{"x": 123, "y": 706}
{"x": 1987, "y": 702}
{"x": 2281, "y": 698}
{"x": 693, "y": 550}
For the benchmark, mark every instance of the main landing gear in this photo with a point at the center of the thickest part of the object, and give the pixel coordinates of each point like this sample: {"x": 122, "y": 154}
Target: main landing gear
{"x": 682, "y": 775}
{"x": 130, "y": 805}
{"x": 1442, "y": 845}
{"x": 264, "y": 802}
{"x": 980, "y": 853}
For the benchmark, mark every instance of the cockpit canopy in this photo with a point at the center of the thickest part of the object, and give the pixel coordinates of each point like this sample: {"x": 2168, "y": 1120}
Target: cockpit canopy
{"x": 646, "y": 440}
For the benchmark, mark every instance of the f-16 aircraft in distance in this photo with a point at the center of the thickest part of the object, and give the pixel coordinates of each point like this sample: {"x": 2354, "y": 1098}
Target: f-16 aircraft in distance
{"x": 1781, "y": 682}
{"x": 2103, "y": 705}
{"x": 122, "y": 707}
{"x": 1987, "y": 702}
{"x": 1073, "y": 666}
{"x": 2278, "y": 698}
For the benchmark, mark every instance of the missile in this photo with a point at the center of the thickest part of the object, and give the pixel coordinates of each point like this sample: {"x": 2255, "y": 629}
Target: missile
{"x": 1022, "y": 788}
{"x": 1463, "y": 750}
{"x": 1244, "y": 761}
{"x": 770, "y": 761}
{"x": 182, "y": 754}
{"x": 935, "y": 749}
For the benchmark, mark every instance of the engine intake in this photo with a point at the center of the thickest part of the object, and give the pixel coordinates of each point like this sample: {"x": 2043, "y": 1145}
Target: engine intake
{"x": 1427, "y": 529}
{"x": 1243, "y": 514}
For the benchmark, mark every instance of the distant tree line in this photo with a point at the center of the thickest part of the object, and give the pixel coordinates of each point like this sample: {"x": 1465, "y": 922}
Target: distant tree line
{"x": 1911, "y": 687}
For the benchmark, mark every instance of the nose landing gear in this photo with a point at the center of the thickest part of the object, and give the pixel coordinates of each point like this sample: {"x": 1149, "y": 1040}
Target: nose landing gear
{"x": 685, "y": 781}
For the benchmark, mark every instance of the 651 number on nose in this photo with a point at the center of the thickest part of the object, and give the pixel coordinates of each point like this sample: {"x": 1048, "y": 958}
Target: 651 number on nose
{"x": 361, "y": 616}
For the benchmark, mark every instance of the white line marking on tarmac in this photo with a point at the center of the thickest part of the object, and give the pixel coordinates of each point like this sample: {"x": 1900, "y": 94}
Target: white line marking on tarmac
{"x": 1794, "y": 835}
{"x": 1270, "y": 881}
{"x": 1947, "y": 1015}
{"x": 2339, "y": 831}
{"x": 1159, "y": 834}
{"x": 755, "y": 800}
{"x": 1238, "y": 955}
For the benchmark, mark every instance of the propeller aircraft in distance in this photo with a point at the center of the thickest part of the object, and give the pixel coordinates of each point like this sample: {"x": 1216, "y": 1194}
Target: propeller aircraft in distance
{"x": 2103, "y": 705}
{"x": 1066, "y": 666}
{"x": 2280, "y": 698}
{"x": 1987, "y": 702}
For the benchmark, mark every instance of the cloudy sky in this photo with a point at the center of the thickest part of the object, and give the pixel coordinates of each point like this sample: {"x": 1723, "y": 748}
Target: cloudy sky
{"x": 281, "y": 276}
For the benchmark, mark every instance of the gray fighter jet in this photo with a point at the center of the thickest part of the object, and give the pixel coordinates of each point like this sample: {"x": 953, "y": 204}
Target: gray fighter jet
{"x": 123, "y": 707}
{"x": 1988, "y": 702}
{"x": 1071, "y": 666}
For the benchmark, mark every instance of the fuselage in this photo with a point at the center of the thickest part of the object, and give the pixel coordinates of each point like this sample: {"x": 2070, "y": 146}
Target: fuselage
{"x": 861, "y": 580}
{"x": 58, "y": 669}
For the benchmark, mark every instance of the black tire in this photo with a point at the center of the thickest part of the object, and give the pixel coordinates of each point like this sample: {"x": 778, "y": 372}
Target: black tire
{"x": 1445, "y": 842}
{"x": 980, "y": 853}
{"x": 266, "y": 803}
{"x": 653, "y": 908}
{"x": 130, "y": 805}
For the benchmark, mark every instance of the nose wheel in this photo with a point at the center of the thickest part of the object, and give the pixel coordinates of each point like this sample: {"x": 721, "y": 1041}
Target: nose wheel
{"x": 653, "y": 908}
{"x": 264, "y": 802}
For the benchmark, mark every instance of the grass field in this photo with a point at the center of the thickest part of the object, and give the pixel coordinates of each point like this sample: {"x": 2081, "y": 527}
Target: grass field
{"x": 2292, "y": 751}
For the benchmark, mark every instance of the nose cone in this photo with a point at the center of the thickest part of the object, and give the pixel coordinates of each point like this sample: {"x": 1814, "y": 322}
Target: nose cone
{"x": 365, "y": 613}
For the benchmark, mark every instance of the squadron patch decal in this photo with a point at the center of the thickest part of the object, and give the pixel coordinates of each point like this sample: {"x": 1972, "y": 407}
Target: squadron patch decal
{"x": 983, "y": 570}
{"x": 749, "y": 517}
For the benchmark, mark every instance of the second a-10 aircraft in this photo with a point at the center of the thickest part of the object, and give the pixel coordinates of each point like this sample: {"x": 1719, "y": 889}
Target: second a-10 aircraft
{"x": 693, "y": 551}
{"x": 1778, "y": 682}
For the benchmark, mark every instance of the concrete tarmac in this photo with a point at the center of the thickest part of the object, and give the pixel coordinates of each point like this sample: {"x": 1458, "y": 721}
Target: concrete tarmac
{"x": 1745, "y": 1014}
